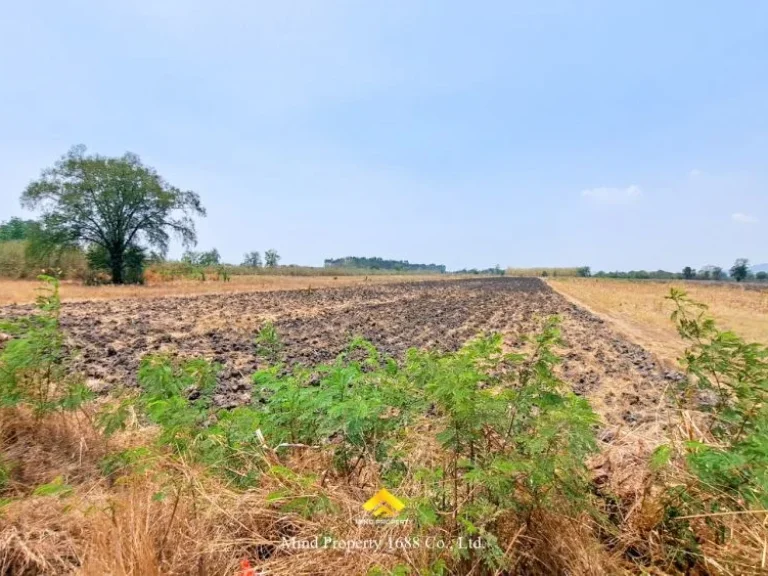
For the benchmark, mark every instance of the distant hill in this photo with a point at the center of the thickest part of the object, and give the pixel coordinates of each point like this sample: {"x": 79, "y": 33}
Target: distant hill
{"x": 759, "y": 268}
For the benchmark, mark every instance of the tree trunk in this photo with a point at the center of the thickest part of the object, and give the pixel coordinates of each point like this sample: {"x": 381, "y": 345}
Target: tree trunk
{"x": 116, "y": 264}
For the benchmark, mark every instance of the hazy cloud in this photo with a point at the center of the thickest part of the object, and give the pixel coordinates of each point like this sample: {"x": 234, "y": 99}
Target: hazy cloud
{"x": 743, "y": 218}
{"x": 613, "y": 196}
{"x": 695, "y": 173}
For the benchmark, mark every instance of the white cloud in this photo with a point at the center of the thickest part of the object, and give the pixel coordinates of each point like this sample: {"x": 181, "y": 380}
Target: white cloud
{"x": 613, "y": 196}
{"x": 695, "y": 173}
{"x": 743, "y": 218}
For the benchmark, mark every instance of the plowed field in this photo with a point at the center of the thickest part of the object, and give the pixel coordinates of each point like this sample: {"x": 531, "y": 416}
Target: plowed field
{"x": 623, "y": 381}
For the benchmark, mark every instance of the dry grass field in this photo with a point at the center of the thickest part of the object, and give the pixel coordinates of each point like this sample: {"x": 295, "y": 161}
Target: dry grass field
{"x": 543, "y": 271}
{"x": 639, "y": 310}
{"x": 25, "y": 291}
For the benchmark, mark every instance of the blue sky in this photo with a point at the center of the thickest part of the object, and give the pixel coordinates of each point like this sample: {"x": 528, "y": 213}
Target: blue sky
{"x": 615, "y": 134}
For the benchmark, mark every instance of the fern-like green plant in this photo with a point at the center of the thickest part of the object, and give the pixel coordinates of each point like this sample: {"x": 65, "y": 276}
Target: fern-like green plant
{"x": 515, "y": 437}
{"x": 357, "y": 403}
{"x": 722, "y": 468}
{"x": 178, "y": 397}
{"x": 268, "y": 343}
{"x": 35, "y": 367}
{"x": 727, "y": 382}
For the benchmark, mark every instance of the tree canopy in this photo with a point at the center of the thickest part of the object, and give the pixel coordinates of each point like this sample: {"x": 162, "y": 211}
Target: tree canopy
{"x": 17, "y": 229}
{"x": 252, "y": 259}
{"x": 740, "y": 269}
{"x": 271, "y": 258}
{"x": 115, "y": 203}
{"x": 209, "y": 258}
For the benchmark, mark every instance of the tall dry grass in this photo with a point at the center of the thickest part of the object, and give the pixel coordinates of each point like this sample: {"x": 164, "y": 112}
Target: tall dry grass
{"x": 542, "y": 272}
{"x": 15, "y": 262}
{"x": 639, "y": 310}
{"x": 172, "y": 518}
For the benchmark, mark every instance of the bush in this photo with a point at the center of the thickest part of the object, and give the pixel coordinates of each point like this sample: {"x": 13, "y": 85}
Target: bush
{"x": 177, "y": 395}
{"x": 13, "y": 263}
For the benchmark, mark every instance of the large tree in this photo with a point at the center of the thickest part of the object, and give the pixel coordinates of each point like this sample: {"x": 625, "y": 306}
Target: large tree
{"x": 118, "y": 204}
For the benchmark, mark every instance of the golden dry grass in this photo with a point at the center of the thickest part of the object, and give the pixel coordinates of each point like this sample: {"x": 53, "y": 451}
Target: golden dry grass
{"x": 550, "y": 272}
{"x": 120, "y": 526}
{"x": 25, "y": 291}
{"x": 638, "y": 309}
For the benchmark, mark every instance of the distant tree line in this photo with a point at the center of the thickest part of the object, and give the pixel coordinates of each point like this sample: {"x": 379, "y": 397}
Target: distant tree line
{"x": 495, "y": 271}
{"x": 206, "y": 258}
{"x": 640, "y": 274}
{"x": 18, "y": 229}
{"x": 739, "y": 272}
{"x": 376, "y": 263}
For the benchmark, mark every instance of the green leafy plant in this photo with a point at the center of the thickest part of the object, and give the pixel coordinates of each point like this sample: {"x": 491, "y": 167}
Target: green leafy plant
{"x": 298, "y": 493}
{"x": 178, "y": 397}
{"x": 354, "y": 404}
{"x": 728, "y": 383}
{"x": 720, "y": 466}
{"x": 515, "y": 438}
{"x": 268, "y": 343}
{"x": 56, "y": 487}
{"x": 5, "y": 475}
{"x": 126, "y": 462}
{"x": 290, "y": 412}
{"x": 35, "y": 368}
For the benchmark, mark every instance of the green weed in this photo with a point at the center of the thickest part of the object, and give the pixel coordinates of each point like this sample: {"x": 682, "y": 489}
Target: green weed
{"x": 35, "y": 368}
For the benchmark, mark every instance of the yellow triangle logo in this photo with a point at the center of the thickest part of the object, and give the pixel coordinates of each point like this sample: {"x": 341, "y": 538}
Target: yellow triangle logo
{"x": 383, "y": 504}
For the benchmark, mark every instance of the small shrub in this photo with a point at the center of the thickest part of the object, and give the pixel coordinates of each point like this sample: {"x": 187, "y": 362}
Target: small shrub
{"x": 515, "y": 438}
{"x": 178, "y": 397}
{"x": 718, "y": 471}
{"x": 268, "y": 344}
{"x": 357, "y": 402}
{"x": 35, "y": 367}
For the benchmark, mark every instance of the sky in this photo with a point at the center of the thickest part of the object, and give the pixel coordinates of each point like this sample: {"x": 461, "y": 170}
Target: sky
{"x": 620, "y": 135}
